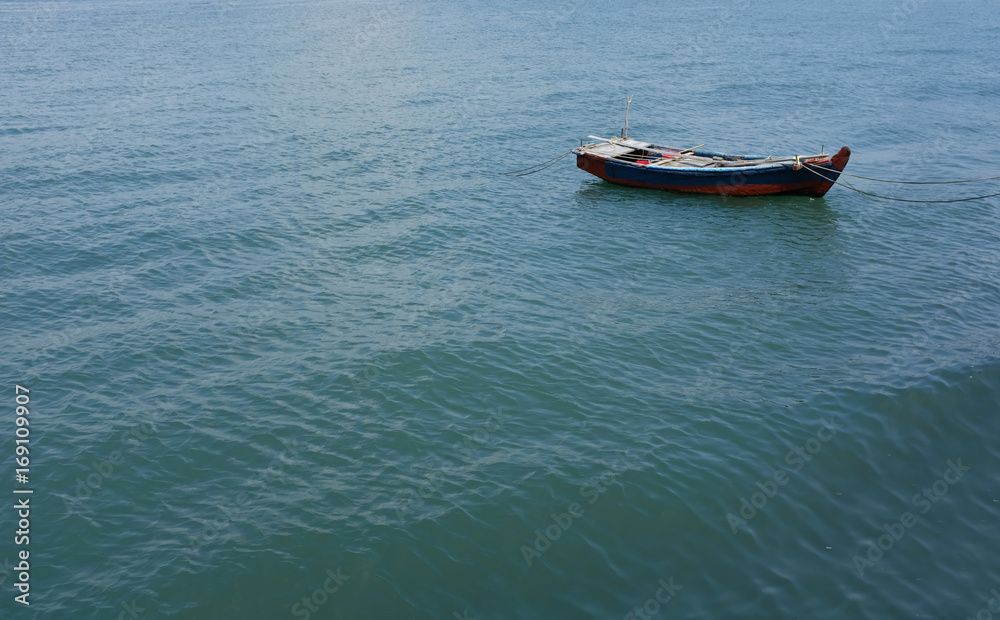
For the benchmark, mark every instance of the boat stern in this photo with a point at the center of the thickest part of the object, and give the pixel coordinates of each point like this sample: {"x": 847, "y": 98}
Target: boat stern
{"x": 591, "y": 163}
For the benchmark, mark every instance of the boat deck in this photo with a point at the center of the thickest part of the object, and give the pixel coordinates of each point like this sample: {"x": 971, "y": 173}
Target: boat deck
{"x": 649, "y": 154}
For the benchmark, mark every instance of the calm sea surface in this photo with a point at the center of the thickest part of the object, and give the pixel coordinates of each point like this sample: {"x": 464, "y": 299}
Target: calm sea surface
{"x": 296, "y": 348}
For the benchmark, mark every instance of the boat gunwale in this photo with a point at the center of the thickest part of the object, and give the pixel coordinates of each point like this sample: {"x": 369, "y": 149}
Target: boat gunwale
{"x": 713, "y": 171}
{"x": 820, "y": 160}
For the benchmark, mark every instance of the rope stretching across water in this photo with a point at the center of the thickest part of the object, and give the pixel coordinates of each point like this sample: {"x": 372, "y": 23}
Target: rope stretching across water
{"x": 849, "y": 186}
{"x": 917, "y": 182}
{"x": 539, "y": 167}
{"x": 551, "y": 162}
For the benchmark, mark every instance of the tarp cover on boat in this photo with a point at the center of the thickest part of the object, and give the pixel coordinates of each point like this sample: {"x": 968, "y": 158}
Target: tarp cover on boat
{"x": 610, "y": 150}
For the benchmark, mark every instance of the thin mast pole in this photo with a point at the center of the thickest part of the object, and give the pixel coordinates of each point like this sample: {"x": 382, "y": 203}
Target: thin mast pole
{"x": 627, "y": 105}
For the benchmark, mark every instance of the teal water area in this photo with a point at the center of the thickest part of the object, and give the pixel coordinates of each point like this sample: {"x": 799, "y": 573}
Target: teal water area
{"x": 297, "y": 349}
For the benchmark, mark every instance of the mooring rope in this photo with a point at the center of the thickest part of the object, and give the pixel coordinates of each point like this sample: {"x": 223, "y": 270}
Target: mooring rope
{"x": 551, "y": 162}
{"x": 849, "y": 186}
{"x": 542, "y": 166}
{"x": 917, "y": 182}
{"x": 559, "y": 159}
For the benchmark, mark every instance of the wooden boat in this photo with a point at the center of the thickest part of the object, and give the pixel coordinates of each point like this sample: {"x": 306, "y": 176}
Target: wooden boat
{"x": 642, "y": 164}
